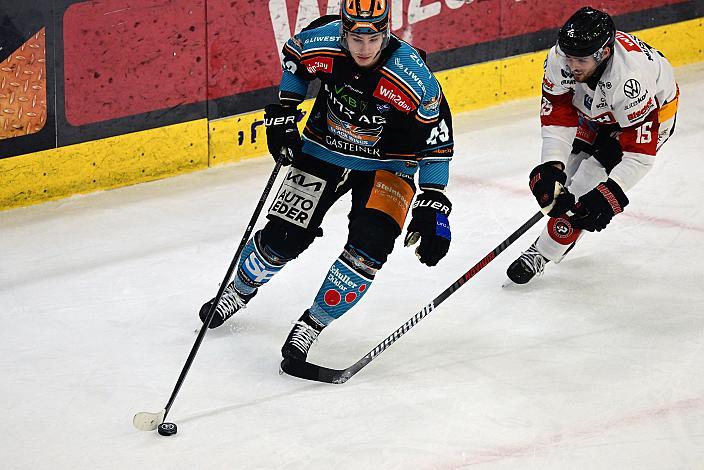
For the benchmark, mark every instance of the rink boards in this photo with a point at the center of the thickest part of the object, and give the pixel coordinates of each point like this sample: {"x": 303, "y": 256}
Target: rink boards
{"x": 190, "y": 143}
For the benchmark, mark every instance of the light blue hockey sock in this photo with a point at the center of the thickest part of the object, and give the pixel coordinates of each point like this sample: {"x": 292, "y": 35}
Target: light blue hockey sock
{"x": 346, "y": 282}
{"x": 257, "y": 266}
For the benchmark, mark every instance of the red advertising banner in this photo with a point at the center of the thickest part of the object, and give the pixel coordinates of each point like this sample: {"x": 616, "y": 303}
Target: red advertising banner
{"x": 124, "y": 57}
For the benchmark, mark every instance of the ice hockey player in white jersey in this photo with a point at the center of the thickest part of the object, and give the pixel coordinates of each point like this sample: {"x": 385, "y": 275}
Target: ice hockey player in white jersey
{"x": 609, "y": 104}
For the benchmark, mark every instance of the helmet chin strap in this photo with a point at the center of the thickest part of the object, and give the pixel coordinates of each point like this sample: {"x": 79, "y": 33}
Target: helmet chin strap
{"x": 599, "y": 56}
{"x": 596, "y": 76}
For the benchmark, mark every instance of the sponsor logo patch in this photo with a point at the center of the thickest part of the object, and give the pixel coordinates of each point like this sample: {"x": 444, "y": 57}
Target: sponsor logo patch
{"x": 318, "y": 64}
{"x": 634, "y": 116}
{"x": 256, "y": 270}
{"x": 298, "y": 197}
{"x": 352, "y": 133}
{"x": 431, "y": 105}
{"x": 627, "y": 42}
{"x": 547, "y": 84}
{"x": 410, "y": 73}
{"x": 635, "y": 103}
{"x": 560, "y": 229}
{"x": 337, "y": 144}
{"x": 390, "y": 195}
{"x": 631, "y": 88}
{"x": 322, "y": 39}
{"x": 390, "y": 93}
{"x": 545, "y": 107}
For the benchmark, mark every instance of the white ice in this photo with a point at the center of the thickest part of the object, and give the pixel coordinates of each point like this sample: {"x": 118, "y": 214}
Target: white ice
{"x": 597, "y": 365}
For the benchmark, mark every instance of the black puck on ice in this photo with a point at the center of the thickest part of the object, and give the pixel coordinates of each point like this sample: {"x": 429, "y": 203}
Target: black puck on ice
{"x": 166, "y": 429}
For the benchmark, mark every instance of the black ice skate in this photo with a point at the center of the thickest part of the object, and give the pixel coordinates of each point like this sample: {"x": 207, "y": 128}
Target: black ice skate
{"x": 530, "y": 263}
{"x": 229, "y": 304}
{"x": 301, "y": 337}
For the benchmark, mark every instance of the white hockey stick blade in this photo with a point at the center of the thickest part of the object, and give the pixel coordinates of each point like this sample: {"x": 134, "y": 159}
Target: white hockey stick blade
{"x": 145, "y": 421}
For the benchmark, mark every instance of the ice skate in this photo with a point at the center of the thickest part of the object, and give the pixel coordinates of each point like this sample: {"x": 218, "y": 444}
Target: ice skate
{"x": 231, "y": 302}
{"x": 525, "y": 268}
{"x": 301, "y": 337}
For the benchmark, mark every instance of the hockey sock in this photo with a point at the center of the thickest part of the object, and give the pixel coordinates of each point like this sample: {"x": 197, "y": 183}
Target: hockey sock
{"x": 347, "y": 281}
{"x": 557, "y": 239}
{"x": 258, "y": 264}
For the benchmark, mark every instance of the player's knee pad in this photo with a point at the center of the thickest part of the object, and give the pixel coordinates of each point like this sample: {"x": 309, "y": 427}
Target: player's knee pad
{"x": 373, "y": 234}
{"x": 286, "y": 240}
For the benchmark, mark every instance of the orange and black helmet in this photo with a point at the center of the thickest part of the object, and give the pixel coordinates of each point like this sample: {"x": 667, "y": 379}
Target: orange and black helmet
{"x": 364, "y": 17}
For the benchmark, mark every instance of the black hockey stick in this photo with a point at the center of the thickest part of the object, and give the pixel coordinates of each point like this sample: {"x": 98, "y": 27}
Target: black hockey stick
{"x": 146, "y": 421}
{"x": 310, "y": 371}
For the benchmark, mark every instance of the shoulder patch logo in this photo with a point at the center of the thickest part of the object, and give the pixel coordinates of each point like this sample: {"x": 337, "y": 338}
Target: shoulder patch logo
{"x": 632, "y": 88}
{"x": 319, "y": 64}
{"x": 431, "y": 105}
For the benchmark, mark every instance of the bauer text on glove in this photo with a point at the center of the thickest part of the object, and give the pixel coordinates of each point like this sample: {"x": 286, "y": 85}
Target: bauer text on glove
{"x": 430, "y": 225}
{"x": 282, "y": 131}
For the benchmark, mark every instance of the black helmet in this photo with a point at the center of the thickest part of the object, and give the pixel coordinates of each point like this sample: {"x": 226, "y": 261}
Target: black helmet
{"x": 586, "y": 33}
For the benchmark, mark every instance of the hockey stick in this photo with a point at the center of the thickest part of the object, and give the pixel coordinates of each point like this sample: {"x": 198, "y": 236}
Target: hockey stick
{"x": 146, "y": 421}
{"x": 310, "y": 371}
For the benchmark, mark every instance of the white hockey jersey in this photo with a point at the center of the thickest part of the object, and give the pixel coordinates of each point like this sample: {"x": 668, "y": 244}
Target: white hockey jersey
{"x": 636, "y": 94}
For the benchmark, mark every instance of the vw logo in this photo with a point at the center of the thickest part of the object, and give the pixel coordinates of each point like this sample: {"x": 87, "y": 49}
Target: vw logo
{"x": 631, "y": 88}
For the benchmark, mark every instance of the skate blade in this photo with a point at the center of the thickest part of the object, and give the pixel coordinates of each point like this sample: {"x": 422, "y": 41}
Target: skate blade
{"x": 509, "y": 284}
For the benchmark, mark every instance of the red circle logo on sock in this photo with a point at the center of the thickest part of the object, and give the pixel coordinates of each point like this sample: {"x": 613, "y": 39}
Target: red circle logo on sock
{"x": 332, "y": 297}
{"x": 350, "y": 297}
{"x": 561, "y": 230}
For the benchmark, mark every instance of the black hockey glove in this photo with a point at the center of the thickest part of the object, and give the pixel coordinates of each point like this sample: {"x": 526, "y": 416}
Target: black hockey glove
{"x": 542, "y": 184}
{"x": 595, "y": 209}
{"x": 282, "y": 131}
{"x": 429, "y": 224}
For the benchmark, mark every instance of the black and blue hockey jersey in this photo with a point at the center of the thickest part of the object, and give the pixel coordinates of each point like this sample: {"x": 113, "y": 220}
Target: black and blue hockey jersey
{"x": 392, "y": 116}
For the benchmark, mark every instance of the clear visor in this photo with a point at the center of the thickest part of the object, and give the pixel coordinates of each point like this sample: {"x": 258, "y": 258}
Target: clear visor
{"x": 385, "y": 36}
{"x": 598, "y": 55}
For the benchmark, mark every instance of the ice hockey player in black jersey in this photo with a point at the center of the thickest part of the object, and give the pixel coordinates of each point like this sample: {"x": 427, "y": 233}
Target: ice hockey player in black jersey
{"x": 379, "y": 118}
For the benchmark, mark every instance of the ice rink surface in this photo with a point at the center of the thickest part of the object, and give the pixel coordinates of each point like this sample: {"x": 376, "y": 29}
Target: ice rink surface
{"x": 597, "y": 365}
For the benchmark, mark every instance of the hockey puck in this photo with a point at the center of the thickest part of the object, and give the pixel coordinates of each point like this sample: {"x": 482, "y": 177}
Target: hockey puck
{"x": 167, "y": 429}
